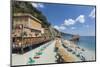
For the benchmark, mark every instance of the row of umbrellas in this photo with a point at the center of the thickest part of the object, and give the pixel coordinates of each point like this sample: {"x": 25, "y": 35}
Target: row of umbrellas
{"x": 37, "y": 54}
{"x": 78, "y": 53}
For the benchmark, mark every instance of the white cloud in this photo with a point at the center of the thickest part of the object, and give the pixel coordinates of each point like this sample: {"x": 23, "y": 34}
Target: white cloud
{"x": 69, "y": 22}
{"x": 60, "y": 27}
{"x": 92, "y": 13}
{"x": 56, "y": 27}
{"x": 38, "y": 5}
{"x": 80, "y": 19}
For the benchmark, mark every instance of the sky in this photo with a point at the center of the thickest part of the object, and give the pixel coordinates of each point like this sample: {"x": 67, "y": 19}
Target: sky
{"x": 72, "y": 19}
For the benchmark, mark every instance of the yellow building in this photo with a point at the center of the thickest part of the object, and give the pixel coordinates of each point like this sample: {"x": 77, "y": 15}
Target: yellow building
{"x": 26, "y": 25}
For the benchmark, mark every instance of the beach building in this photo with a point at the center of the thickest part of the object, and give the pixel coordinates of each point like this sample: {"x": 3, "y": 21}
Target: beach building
{"x": 27, "y": 32}
{"x": 26, "y": 25}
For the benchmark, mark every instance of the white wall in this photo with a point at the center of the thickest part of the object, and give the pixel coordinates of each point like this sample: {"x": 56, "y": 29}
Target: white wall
{"x": 5, "y": 33}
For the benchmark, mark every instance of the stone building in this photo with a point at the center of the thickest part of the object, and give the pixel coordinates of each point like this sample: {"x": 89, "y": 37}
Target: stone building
{"x": 26, "y": 25}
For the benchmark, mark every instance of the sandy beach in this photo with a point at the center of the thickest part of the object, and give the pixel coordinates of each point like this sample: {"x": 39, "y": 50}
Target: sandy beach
{"x": 65, "y": 54}
{"x": 88, "y": 54}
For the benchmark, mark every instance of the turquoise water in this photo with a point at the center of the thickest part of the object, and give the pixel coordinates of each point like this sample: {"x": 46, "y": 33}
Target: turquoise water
{"x": 87, "y": 42}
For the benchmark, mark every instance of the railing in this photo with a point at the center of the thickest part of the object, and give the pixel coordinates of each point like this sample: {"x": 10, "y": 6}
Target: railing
{"x": 27, "y": 43}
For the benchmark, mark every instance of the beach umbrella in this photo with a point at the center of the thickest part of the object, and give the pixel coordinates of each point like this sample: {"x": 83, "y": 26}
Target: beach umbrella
{"x": 41, "y": 49}
{"x": 83, "y": 49}
{"x": 73, "y": 52}
{"x": 36, "y": 57}
{"x": 39, "y": 53}
{"x": 82, "y": 58}
{"x": 78, "y": 53}
{"x": 69, "y": 49}
{"x": 31, "y": 60}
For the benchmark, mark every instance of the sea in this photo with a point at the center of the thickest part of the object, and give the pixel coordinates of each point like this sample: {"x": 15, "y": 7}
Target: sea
{"x": 88, "y": 42}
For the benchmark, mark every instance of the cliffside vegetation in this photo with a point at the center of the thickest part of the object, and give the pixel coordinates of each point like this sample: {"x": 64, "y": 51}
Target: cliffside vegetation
{"x": 26, "y": 7}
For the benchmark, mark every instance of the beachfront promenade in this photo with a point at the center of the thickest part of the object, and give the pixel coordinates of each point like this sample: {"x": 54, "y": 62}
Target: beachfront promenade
{"x": 47, "y": 56}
